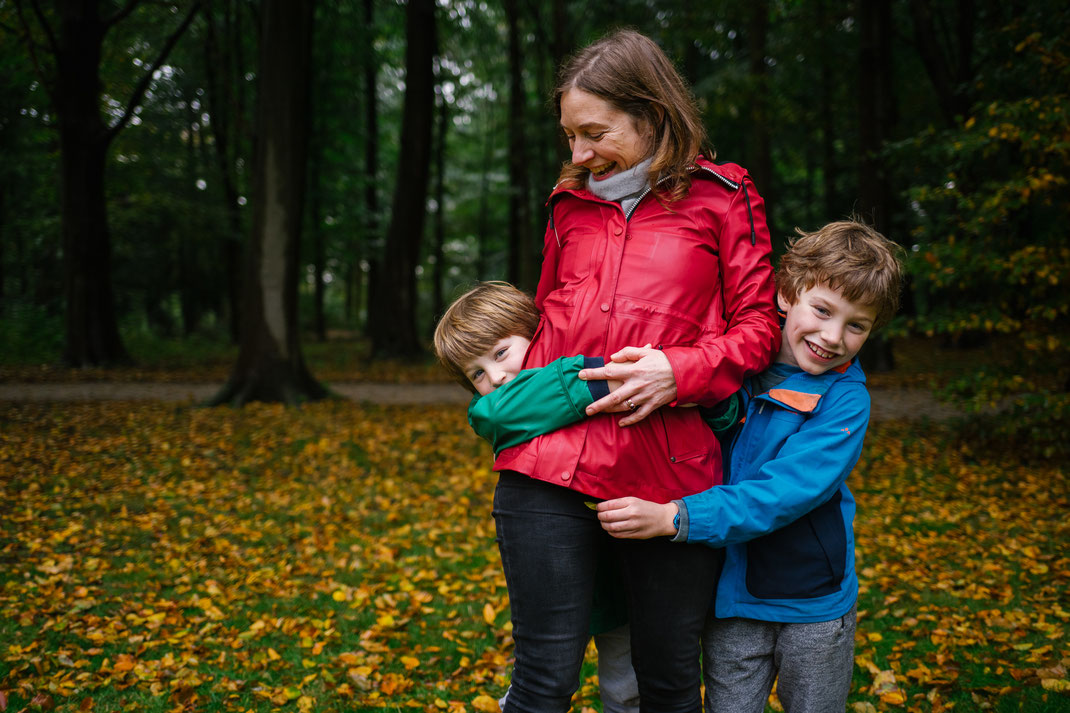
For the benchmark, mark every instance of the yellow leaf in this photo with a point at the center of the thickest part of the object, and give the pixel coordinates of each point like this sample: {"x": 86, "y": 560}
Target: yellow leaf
{"x": 339, "y": 595}
{"x": 410, "y": 662}
{"x": 273, "y": 655}
{"x": 305, "y": 704}
{"x": 386, "y": 620}
{"x": 1055, "y": 684}
{"x": 874, "y": 636}
{"x": 486, "y": 704}
{"x": 489, "y": 614}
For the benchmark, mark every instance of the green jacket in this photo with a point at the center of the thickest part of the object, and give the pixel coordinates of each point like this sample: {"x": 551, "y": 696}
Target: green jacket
{"x": 537, "y": 401}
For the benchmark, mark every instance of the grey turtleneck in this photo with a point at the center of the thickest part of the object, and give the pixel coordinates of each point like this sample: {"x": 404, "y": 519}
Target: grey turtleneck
{"x": 624, "y": 187}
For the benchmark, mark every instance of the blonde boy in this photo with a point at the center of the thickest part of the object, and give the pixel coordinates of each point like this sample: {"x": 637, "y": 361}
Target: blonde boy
{"x": 786, "y": 597}
{"x": 482, "y": 339}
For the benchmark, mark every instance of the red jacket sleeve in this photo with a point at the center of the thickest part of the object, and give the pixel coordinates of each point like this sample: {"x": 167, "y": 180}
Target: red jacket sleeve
{"x": 714, "y": 367}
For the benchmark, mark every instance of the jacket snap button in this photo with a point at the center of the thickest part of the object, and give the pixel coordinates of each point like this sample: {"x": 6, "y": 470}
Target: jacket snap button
{"x": 672, "y": 459}
{"x": 604, "y": 307}
{"x": 618, "y": 231}
{"x": 566, "y": 475}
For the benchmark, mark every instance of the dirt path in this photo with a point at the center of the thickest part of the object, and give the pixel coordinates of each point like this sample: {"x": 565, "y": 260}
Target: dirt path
{"x": 909, "y": 404}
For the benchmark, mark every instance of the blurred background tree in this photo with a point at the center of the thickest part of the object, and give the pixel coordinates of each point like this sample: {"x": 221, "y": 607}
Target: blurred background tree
{"x": 942, "y": 121}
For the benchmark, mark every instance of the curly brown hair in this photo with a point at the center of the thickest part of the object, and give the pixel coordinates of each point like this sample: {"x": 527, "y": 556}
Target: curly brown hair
{"x": 848, "y": 256}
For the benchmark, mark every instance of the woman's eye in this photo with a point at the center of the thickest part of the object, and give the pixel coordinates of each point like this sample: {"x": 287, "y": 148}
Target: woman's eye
{"x": 596, "y": 137}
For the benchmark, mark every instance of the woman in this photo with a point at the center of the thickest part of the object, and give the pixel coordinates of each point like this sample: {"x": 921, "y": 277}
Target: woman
{"x": 650, "y": 244}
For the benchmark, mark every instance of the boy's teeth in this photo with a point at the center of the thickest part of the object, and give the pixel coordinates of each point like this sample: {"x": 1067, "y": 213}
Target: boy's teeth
{"x": 820, "y": 352}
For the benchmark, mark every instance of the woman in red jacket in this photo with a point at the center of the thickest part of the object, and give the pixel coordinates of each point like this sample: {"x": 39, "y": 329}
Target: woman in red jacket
{"x": 648, "y": 243}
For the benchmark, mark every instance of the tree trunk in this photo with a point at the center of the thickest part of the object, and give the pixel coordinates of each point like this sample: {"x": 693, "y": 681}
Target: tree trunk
{"x": 92, "y": 333}
{"x": 760, "y": 158}
{"x": 223, "y": 69}
{"x": 371, "y": 240}
{"x": 950, "y": 69}
{"x": 522, "y": 264}
{"x": 393, "y": 315}
{"x": 875, "y": 118}
{"x": 437, "y": 296}
{"x": 270, "y": 366}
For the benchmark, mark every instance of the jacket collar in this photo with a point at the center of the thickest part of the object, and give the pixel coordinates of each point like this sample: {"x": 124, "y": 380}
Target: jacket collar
{"x": 802, "y": 392}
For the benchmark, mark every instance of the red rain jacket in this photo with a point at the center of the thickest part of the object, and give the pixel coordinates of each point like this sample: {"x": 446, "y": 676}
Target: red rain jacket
{"x": 693, "y": 279}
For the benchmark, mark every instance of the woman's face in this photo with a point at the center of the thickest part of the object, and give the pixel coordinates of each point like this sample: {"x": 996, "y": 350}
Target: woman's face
{"x": 603, "y": 139}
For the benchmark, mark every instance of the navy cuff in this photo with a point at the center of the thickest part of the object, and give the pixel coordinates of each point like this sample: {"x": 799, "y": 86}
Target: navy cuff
{"x": 599, "y": 387}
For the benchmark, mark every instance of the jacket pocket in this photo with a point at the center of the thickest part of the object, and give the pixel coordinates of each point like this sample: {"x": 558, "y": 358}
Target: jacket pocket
{"x": 580, "y": 251}
{"x": 686, "y": 434}
{"x": 802, "y": 560}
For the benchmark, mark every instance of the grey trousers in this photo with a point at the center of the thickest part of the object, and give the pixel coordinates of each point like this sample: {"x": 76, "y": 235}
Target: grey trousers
{"x": 742, "y": 657}
{"x": 616, "y": 677}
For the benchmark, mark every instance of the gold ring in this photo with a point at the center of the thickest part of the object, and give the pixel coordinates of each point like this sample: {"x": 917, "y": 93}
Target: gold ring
{"x": 632, "y": 405}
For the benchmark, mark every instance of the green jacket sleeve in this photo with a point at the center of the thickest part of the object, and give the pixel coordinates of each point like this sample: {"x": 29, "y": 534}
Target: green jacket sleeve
{"x": 537, "y": 401}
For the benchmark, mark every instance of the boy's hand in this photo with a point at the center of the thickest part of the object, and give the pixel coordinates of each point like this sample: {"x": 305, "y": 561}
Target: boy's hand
{"x": 648, "y": 383}
{"x": 635, "y": 519}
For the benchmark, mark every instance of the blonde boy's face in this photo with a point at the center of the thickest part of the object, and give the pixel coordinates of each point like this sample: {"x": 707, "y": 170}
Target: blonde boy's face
{"x": 823, "y": 330}
{"x": 498, "y": 365}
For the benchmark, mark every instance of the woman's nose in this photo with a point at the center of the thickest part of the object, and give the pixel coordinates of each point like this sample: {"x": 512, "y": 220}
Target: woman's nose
{"x": 581, "y": 152}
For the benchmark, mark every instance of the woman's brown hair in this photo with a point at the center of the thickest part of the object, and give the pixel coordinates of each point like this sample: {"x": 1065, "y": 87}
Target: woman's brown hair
{"x": 629, "y": 71}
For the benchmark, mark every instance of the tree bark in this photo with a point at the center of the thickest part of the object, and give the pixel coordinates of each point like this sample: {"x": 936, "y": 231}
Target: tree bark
{"x": 950, "y": 69}
{"x": 223, "y": 70}
{"x": 92, "y": 333}
{"x": 270, "y": 366}
{"x": 393, "y": 315}
{"x": 437, "y": 291}
{"x": 371, "y": 240}
{"x": 522, "y": 263}
{"x": 875, "y": 118}
{"x": 761, "y": 155}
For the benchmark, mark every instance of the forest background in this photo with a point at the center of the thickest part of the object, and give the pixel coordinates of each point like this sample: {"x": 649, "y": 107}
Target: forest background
{"x": 218, "y": 187}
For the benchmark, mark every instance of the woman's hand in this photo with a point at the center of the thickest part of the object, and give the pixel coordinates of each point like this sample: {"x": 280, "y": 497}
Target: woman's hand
{"x": 647, "y": 383}
{"x": 635, "y": 519}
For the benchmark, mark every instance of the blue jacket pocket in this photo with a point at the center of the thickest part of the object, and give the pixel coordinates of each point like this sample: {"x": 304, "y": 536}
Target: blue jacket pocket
{"x": 802, "y": 560}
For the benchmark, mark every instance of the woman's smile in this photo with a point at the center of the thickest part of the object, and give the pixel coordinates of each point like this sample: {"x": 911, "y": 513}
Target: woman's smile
{"x": 603, "y": 139}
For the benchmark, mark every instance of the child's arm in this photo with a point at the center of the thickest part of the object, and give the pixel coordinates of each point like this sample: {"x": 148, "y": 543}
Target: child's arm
{"x": 808, "y": 470}
{"x": 537, "y": 401}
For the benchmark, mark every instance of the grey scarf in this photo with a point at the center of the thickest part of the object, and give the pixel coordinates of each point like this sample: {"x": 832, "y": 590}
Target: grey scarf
{"x": 624, "y": 187}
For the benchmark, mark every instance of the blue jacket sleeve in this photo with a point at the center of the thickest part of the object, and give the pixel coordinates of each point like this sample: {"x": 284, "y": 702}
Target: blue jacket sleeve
{"x": 535, "y": 402}
{"x": 809, "y": 467}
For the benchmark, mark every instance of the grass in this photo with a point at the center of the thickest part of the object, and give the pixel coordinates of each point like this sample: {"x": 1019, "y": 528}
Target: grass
{"x": 341, "y": 557}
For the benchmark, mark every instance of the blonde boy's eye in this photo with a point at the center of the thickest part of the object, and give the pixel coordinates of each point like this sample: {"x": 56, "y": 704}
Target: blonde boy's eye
{"x": 500, "y": 353}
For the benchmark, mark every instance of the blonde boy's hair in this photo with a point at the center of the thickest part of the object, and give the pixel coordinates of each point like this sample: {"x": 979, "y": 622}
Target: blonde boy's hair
{"x": 477, "y": 319}
{"x": 848, "y": 256}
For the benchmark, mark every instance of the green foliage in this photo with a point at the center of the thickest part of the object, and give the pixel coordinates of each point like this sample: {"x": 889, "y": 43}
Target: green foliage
{"x": 30, "y": 335}
{"x": 991, "y": 254}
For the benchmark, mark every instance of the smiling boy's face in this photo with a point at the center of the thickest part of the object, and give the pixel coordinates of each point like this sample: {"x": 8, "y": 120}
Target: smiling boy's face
{"x": 823, "y": 330}
{"x": 498, "y": 365}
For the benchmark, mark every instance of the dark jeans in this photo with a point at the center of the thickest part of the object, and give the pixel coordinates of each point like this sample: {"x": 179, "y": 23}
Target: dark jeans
{"x": 550, "y": 543}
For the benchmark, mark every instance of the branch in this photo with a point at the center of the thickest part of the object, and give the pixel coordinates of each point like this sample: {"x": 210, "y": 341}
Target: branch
{"x": 31, "y": 47}
{"x": 121, "y": 15}
{"x": 143, "y": 85}
{"x": 49, "y": 35}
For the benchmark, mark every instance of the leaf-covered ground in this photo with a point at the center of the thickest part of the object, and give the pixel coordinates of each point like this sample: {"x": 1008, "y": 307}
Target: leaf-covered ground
{"x": 341, "y": 557}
